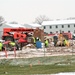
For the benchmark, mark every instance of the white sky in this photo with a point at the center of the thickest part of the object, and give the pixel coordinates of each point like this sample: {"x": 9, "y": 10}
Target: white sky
{"x": 25, "y": 11}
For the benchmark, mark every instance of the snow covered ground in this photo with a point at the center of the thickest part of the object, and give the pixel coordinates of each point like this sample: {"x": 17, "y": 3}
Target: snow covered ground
{"x": 67, "y": 73}
{"x": 29, "y": 53}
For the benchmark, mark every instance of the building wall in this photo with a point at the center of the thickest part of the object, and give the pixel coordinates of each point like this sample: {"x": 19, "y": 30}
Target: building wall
{"x": 47, "y": 28}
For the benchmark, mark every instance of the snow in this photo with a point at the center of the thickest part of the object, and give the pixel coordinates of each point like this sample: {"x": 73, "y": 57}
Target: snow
{"x": 32, "y": 25}
{"x": 15, "y": 25}
{"x": 58, "y": 22}
{"x": 67, "y": 73}
{"x": 35, "y": 25}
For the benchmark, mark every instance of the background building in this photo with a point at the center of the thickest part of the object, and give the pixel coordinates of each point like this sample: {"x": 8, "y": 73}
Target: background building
{"x": 32, "y": 25}
{"x": 13, "y": 25}
{"x": 56, "y": 26}
{"x": 8, "y": 25}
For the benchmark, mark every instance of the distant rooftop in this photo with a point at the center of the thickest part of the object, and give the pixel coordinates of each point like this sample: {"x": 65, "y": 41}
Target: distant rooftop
{"x": 14, "y": 25}
{"x": 32, "y": 25}
{"x": 58, "y": 22}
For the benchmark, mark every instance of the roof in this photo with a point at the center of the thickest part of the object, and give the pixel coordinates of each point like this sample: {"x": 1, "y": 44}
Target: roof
{"x": 7, "y": 25}
{"x": 35, "y": 25}
{"x": 14, "y": 25}
{"x": 32, "y": 25}
{"x": 58, "y": 22}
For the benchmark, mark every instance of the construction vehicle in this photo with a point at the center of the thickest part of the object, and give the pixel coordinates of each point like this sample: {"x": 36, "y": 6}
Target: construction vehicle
{"x": 67, "y": 35}
{"x": 58, "y": 38}
{"x": 16, "y": 33}
{"x": 20, "y": 35}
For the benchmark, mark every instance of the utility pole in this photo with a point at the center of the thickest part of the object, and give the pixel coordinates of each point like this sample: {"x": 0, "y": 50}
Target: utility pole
{"x": 42, "y": 36}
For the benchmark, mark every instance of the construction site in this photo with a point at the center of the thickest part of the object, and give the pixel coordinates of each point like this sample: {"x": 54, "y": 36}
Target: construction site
{"x": 29, "y": 42}
{"x": 25, "y": 51}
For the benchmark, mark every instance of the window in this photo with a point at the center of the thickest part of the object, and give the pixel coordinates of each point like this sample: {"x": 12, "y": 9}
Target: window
{"x": 56, "y": 26}
{"x": 68, "y": 26}
{"x": 62, "y": 26}
{"x": 62, "y": 31}
{"x": 0, "y": 24}
{"x": 44, "y": 27}
{"x": 69, "y": 31}
{"x": 74, "y": 31}
{"x": 74, "y": 25}
{"x": 50, "y": 27}
{"x": 56, "y": 31}
{"x": 45, "y": 33}
{"x": 50, "y": 32}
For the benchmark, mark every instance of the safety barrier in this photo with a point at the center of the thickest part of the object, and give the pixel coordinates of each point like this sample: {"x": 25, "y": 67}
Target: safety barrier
{"x": 6, "y": 53}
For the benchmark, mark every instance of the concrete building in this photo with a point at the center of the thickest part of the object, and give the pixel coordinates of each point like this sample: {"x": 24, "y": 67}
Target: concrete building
{"x": 56, "y": 26}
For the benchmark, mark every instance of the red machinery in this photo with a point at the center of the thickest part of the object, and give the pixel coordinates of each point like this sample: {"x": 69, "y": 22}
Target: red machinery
{"x": 16, "y": 33}
{"x": 67, "y": 35}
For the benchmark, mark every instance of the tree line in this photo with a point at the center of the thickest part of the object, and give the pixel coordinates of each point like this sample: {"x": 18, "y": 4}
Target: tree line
{"x": 38, "y": 19}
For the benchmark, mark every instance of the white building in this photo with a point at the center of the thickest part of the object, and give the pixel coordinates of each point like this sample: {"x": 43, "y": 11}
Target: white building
{"x": 8, "y": 25}
{"x": 56, "y": 26}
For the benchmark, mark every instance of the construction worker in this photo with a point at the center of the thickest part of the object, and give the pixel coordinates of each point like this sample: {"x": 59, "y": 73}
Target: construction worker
{"x": 55, "y": 38}
{"x": 12, "y": 45}
{"x": 46, "y": 43}
{"x": 37, "y": 39}
{"x": 61, "y": 38}
{"x": 66, "y": 43}
{"x": 1, "y": 46}
{"x": 34, "y": 40}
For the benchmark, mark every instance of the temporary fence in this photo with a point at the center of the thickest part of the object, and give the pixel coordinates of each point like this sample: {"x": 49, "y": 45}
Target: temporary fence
{"x": 5, "y": 53}
{"x": 29, "y": 51}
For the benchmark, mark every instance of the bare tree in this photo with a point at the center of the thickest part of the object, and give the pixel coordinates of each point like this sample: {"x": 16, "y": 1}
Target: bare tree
{"x": 71, "y": 18}
{"x": 14, "y": 22}
{"x": 40, "y": 19}
{"x": 1, "y": 20}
